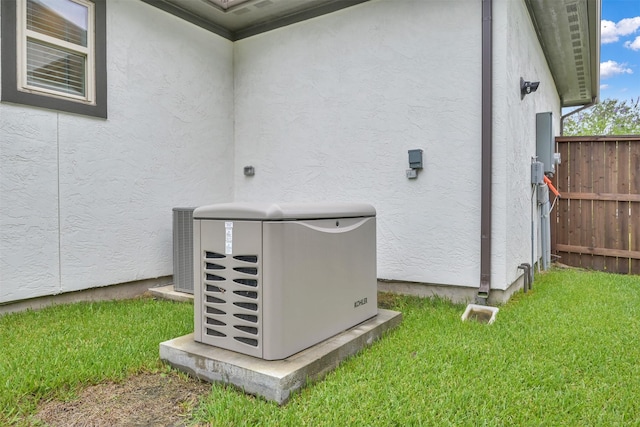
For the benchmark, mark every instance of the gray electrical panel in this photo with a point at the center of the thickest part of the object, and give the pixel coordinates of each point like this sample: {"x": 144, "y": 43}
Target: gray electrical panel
{"x": 545, "y": 141}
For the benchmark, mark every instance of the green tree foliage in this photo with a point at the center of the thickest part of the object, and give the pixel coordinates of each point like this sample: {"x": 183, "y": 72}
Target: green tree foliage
{"x": 609, "y": 117}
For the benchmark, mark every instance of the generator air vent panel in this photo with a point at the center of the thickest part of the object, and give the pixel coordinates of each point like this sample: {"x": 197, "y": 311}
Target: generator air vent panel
{"x": 272, "y": 280}
{"x": 230, "y": 311}
{"x": 183, "y": 249}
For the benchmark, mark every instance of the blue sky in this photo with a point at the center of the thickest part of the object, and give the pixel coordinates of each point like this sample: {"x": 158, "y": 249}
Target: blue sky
{"x": 620, "y": 53}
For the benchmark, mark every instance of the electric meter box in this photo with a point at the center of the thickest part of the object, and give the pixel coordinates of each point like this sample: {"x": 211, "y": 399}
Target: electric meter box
{"x": 545, "y": 142}
{"x": 271, "y": 280}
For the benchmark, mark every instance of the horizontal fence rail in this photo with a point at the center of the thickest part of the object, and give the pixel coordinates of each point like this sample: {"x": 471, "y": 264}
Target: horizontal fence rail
{"x": 596, "y": 220}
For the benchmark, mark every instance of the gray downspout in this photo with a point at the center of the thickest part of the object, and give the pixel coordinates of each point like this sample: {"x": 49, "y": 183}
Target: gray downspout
{"x": 487, "y": 122}
{"x": 593, "y": 102}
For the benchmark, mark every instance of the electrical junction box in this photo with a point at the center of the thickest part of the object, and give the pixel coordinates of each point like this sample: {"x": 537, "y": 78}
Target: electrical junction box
{"x": 412, "y": 173}
{"x": 415, "y": 159}
{"x": 537, "y": 173}
{"x": 545, "y": 141}
{"x": 274, "y": 279}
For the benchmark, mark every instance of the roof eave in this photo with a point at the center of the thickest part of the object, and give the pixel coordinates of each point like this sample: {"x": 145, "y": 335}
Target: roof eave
{"x": 569, "y": 33}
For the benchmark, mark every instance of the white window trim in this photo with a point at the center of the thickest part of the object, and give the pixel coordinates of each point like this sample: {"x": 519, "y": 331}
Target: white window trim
{"x": 88, "y": 52}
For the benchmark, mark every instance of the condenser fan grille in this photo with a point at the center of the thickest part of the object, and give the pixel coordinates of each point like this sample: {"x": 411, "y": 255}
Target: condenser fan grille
{"x": 183, "y": 249}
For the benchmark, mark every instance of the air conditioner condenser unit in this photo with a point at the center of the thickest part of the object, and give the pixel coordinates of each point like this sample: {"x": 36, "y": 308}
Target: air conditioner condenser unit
{"x": 183, "y": 250}
{"x": 274, "y": 279}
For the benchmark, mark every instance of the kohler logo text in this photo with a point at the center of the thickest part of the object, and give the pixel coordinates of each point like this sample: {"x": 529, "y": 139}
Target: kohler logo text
{"x": 360, "y": 302}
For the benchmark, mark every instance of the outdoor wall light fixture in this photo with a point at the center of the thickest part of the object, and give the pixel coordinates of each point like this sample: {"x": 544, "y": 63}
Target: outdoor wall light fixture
{"x": 527, "y": 87}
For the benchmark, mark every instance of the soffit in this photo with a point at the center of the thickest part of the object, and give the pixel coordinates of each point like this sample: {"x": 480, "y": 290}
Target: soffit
{"x": 237, "y": 19}
{"x": 569, "y": 32}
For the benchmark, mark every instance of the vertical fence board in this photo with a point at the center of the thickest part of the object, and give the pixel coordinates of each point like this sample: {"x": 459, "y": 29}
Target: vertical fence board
{"x": 574, "y": 205}
{"x": 560, "y": 222}
{"x": 635, "y": 237}
{"x": 586, "y": 211}
{"x": 611, "y": 236}
{"x": 598, "y": 171}
{"x": 624, "y": 180}
{"x": 634, "y": 212}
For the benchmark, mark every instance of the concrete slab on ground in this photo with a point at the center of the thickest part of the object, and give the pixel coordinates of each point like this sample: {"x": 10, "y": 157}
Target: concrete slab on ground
{"x": 168, "y": 292}
{"x": 274, "y": 380}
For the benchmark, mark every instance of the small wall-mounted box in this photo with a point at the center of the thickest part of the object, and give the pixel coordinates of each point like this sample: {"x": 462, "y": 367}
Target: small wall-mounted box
{"x": 537, "y": 173}
{"x": 415, "y": 159}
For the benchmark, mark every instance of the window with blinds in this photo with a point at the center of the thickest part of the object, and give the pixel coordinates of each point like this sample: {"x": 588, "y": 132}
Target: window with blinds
{"x": 56, "y": 48}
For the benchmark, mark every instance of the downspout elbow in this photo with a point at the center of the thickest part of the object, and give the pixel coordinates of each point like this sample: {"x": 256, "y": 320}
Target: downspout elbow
{"x": 593, "y": 102}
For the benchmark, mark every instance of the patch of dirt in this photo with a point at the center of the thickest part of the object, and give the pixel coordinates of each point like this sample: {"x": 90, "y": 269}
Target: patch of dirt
{"x": 142, "y": 400}
{"x": 387, "y": 300}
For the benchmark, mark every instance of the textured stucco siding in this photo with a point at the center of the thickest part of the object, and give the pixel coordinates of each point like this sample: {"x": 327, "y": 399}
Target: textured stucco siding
{"x": 327, "y": 109}
{"x": 87, "y": 202}
{"x": 29, "y": 251}
{"x": 517, "y": 53}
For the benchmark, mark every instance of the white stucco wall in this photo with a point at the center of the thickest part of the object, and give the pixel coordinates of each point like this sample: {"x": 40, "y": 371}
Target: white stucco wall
{"x": 87, "y": 202}
{"x": 327, "y": 109}
{"x": 517, "y": 53}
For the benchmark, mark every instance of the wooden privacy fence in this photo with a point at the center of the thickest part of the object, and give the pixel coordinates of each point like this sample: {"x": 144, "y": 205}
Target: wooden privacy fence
{"x": 595, "y": 223}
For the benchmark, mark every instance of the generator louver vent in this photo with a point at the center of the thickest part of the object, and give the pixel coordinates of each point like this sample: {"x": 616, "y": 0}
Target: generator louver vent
{"x": 211, "y": 266}
{"x": 248, "y": 317}
{"x": 212, "y": 255}
{"x": 247, "y": 282}
{"x": 247, "y": 329}
{"x": 232, "y": 311}
{"x": 247, "y": 294}
{"x": 250, "y": 341}
{"x": 247, "y": 305}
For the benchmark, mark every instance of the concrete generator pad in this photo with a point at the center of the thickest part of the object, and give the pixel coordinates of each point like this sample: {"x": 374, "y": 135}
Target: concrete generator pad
{"x": 274, "y": 380}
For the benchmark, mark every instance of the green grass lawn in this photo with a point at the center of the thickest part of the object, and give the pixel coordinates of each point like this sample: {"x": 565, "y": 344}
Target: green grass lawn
{"x": 50, "y": 353}
{"x": 567, "y": 353}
